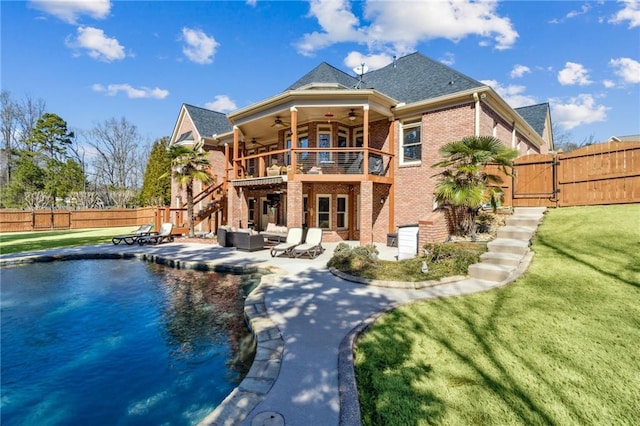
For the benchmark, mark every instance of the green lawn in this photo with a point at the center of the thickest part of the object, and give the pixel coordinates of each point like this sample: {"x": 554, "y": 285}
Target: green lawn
{"x": 559, "y": 346}
{"x": 17, "y": 242}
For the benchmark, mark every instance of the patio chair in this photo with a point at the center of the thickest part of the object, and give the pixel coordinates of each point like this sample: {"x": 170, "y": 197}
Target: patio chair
{"x": 312, "y": 245}
{"x": 294, "y": 238}
{"x": 164, "y": 234}
{"x": 133, "y": 237}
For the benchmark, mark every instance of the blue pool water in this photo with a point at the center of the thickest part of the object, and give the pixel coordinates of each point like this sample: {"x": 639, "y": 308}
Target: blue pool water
{"x": 119, "y": 342}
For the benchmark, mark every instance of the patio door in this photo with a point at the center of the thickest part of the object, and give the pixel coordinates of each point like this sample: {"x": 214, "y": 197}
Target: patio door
{"x": 265, "y": 213}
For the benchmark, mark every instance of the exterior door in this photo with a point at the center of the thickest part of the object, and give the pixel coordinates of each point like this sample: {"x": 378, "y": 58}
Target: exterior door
{"x": 265, "y": 213}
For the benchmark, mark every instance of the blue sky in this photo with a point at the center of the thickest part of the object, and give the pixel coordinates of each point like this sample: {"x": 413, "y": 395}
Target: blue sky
{"x": 97, "y": 59}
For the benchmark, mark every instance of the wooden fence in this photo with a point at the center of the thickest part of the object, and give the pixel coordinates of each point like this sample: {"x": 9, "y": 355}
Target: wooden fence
{"x": 607, "y": 173}
{"x": 42, "y": 220}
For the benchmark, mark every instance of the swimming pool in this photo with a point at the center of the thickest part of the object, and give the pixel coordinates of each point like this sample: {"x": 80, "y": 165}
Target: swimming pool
{"x": 119, "y": 342}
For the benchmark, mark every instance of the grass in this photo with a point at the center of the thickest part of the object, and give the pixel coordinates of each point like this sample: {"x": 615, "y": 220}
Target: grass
{"x": 17, "y": 242}
{"x": 559, "y": 346}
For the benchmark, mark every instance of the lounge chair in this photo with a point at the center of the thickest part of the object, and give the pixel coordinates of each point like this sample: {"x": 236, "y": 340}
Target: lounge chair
{"x": 312, "y": 245}
{"x": 294, "y": 238}
{"x": 164, "y": 234}
{"x": 133, "y": 237}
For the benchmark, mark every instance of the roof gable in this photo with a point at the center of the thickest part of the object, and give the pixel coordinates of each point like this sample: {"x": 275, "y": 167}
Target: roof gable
{"x": 415, "y": 78}
{"x": 325, "y": 73}
{"x": 535, "y": 115}
{"x": 207, "y": 122}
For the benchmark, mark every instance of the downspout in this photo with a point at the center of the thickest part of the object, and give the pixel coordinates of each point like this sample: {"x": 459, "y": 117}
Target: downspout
{"x": 476, "y": 98}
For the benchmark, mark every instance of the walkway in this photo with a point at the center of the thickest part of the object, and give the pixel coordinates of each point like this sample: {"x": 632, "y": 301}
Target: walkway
{"x": 304, "y": 318}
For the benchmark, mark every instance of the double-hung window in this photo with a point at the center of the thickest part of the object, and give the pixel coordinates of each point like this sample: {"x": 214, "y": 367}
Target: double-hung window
{"x": 411, "y": 152}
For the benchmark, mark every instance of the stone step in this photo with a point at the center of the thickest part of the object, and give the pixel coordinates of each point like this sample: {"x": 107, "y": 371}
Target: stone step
{"x": 530, "y": 220}
{"x": 506, "y": 259}
{"x": 508, "y": 245}
{"x": 529, "y": 210}
{"x": 490, "y": 272}
{"x": 516, "y": 232}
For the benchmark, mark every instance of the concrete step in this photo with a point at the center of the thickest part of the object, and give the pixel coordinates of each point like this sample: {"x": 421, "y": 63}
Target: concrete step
{"x": 490, "y": 272}
{"x": 530, "y": 220}
{"x": 508, "y": 245}
{"x": 529, "y": 210}
{"x": 516, "y": 232}
{"x": 506, "y": 259}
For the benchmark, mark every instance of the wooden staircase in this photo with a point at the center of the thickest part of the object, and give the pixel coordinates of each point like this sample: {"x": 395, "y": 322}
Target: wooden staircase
{"x": 215, "y": 205}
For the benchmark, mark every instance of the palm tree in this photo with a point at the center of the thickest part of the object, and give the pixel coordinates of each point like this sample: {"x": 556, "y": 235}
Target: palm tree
{"x": 465, "y": 185}
{"x": 189, "y": 165}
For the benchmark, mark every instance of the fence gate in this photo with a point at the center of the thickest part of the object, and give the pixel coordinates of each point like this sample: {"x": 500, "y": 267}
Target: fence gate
{"x": 50, "y": 219}
{"x": 535, "y": 181}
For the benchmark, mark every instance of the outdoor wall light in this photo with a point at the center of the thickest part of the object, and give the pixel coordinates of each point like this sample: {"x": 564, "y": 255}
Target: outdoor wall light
{"x": 382, "y": 200}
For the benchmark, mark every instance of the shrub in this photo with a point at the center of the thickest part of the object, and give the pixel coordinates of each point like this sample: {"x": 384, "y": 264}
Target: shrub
{"x": 354, "y": 259}
{"x": 444, "y": 259}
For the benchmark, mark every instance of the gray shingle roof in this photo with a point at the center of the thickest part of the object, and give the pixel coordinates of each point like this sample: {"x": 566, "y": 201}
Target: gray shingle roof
{"x": 325, "y": 73}
{"x": 207, "y": 122}
{"x": 415, "y": 78}
{"x": 409, "y": 79}
{"x": 535, "y": 115}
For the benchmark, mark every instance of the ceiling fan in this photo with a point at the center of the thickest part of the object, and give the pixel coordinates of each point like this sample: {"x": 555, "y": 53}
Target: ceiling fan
{"x": 352, "y": 116}
{"x": 279, "y": 123}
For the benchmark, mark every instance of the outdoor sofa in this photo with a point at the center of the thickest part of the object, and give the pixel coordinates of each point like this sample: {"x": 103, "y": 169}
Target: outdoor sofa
{"x": 241, "y": 239}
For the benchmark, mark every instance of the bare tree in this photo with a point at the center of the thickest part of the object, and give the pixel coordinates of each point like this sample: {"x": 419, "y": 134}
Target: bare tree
{"x": 8, "y": 124}
{"x": 120, "y": 156}
{"x": 83, "y": 199}
{"x": 121, "y": 198}
{"x": 37, "y": 200}
{"x": 29, "y": 111}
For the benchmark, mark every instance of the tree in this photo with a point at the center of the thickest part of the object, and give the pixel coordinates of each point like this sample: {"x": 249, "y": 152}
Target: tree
{"x": 17, "y": 121}
{"x": 120, "y": 156}
{"x": 27, "y": 177}
{"x": 465, "y": 185}
{"x": 156, "y": 187}
{"x": 51, "y": 137}
{"x": 190, "y": 165}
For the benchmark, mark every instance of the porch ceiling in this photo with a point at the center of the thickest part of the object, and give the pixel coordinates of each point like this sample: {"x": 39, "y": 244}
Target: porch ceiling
{"x": 262, "y": 128}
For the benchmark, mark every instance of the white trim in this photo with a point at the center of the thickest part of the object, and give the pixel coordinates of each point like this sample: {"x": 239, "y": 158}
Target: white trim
{"x": 410, "y": 124}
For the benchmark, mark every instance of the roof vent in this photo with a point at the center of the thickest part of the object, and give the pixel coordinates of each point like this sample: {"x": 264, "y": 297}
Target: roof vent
{"x": 451, "y": 82}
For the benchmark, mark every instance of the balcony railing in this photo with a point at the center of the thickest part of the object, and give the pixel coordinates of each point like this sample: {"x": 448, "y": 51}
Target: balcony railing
{"x": 315, "y": 161}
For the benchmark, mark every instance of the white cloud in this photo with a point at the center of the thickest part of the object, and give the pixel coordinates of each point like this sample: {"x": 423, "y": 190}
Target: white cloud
{"x": 574, "y": 74}
{"x": 630, "y": 12}
{"x": 627, "y": 69}
{"x": 608, "y": 84}
{"x": 252, "y": 2}
{"x": 222, "y": 103}
{"x": 339, "y": 24}
{"x": 577, "y": 111}
{"x": 97, "y": 44}
{"x": 199, "y": 47}
{"x": 355, "y": 59}
{"x": 584, "y": 9}
{"x": 512, "y": 94}
{"x": 520, "y": 70}
{"x": 448, "y": 59}
{"x": 130, "y": 91}
{"x": 70, "y": 10}
{"x": 399, "y": 26}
